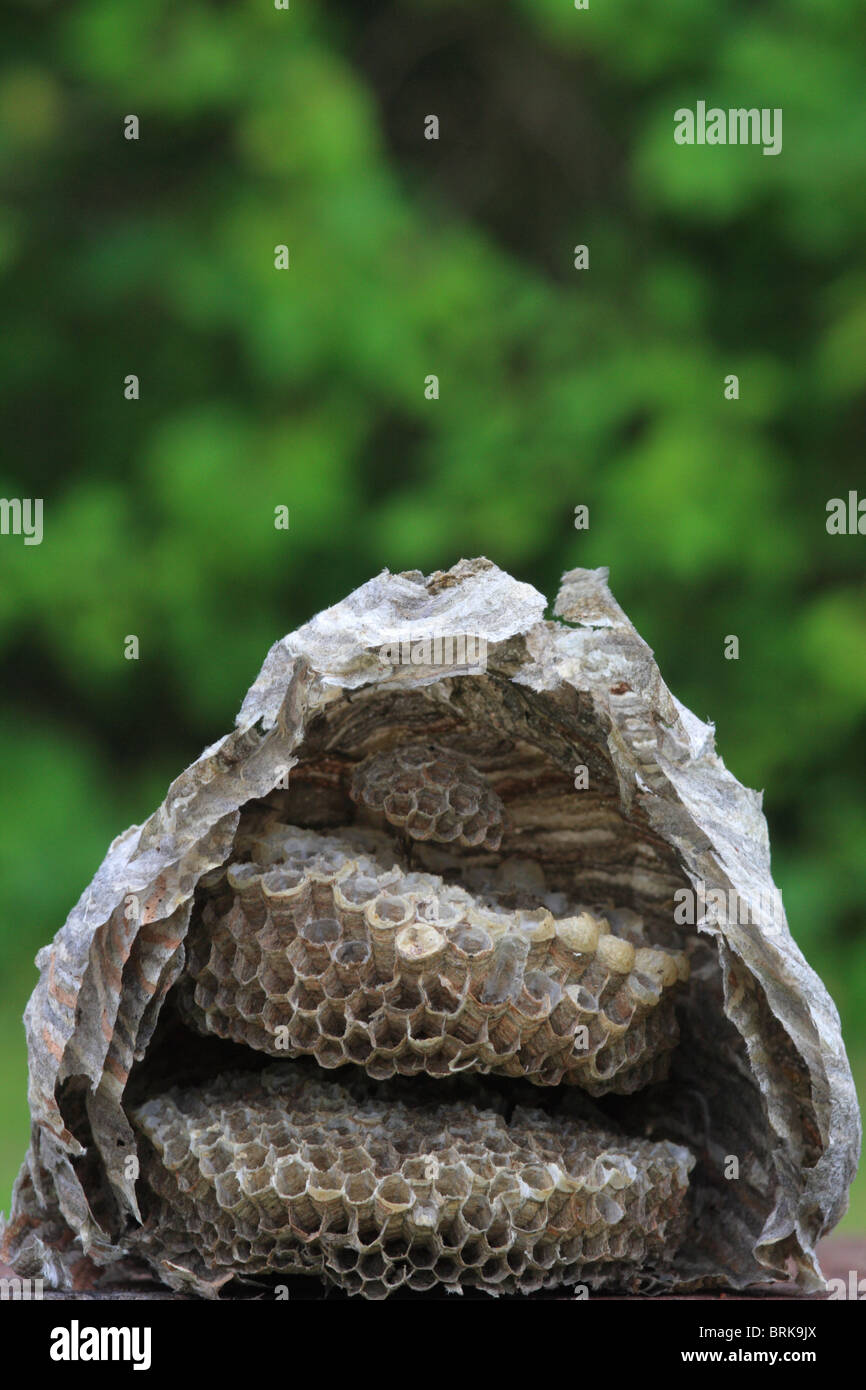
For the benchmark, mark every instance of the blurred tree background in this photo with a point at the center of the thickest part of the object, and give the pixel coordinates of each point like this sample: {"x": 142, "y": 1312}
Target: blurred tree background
{"x": 306, "y": 387}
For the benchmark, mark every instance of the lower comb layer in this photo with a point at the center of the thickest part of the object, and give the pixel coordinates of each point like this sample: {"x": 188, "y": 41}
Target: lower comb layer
{"x": 279, "y": 1174}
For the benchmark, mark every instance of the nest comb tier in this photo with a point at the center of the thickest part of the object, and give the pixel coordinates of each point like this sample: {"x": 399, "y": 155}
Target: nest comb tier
{"x": 282, "y": 1174}
{"x": 434, "y": 976}
{"x": 315, "y": 947}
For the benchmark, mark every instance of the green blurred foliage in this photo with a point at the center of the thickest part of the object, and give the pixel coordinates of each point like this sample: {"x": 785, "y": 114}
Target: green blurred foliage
{"x": 306, "y": 388}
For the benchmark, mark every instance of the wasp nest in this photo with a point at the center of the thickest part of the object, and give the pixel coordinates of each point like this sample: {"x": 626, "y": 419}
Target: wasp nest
{"x": 316, "y": 948}
{"x": 531, "y": 1016}
{"x": 279, "y": 1174}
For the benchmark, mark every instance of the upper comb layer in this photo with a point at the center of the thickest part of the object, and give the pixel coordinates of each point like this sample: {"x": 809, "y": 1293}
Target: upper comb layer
{"x": 320, "y": 948}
